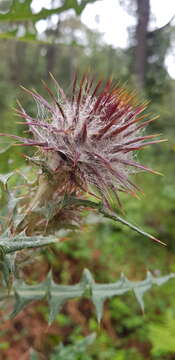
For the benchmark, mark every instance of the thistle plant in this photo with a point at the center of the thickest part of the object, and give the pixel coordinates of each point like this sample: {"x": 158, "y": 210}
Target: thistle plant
{"x": 89, "y": 139}
{"x": 86, "y": 144}
{"x": 86, "y": 147}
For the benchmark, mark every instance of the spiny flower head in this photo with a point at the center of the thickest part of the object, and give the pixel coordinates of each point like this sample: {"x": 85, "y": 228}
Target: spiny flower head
{"x": 89, "y": 139}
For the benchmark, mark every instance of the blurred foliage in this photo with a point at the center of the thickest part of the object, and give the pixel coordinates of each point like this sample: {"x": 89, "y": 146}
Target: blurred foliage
{"x": 162, "y": 335}
{"x": 105, "y": 248}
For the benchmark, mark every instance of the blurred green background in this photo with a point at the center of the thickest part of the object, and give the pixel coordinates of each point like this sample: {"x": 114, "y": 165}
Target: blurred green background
{"x": 67, "y": 45}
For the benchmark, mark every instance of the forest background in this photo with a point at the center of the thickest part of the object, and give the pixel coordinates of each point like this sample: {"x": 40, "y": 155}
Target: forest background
{"x": 65, "y": 46}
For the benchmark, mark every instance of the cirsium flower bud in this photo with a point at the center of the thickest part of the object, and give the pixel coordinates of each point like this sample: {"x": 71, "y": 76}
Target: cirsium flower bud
{"x": 89, "y": 140}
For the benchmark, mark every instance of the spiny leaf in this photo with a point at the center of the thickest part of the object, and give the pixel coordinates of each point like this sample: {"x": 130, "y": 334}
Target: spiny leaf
{"x": 13, "y": 201}
{"x": 5, "y": 177}
{"x": 25, "y": 294}
{"x": 21, "y": 11}
{"x": 57, "y": 295}
{"x": 10, "y": 244}
{"x": 50, "y": 210}
{"x": 111, "y": 215}
{"x": 108, "y": 214}
{"x": 7, "y": 266}
{"x": 2, "y": 151}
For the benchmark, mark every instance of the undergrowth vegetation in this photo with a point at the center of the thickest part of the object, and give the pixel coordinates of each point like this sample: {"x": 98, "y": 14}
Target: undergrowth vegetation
{"x": 83, "y": 277}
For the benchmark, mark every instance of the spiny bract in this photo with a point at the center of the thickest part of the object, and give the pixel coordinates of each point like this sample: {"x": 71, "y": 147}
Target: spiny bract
{"x": 89, "y": 139}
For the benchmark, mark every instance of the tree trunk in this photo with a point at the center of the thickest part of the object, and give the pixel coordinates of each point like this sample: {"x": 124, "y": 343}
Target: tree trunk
{"x": 143, "y": 13}
{"x": 17, "y": 61}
